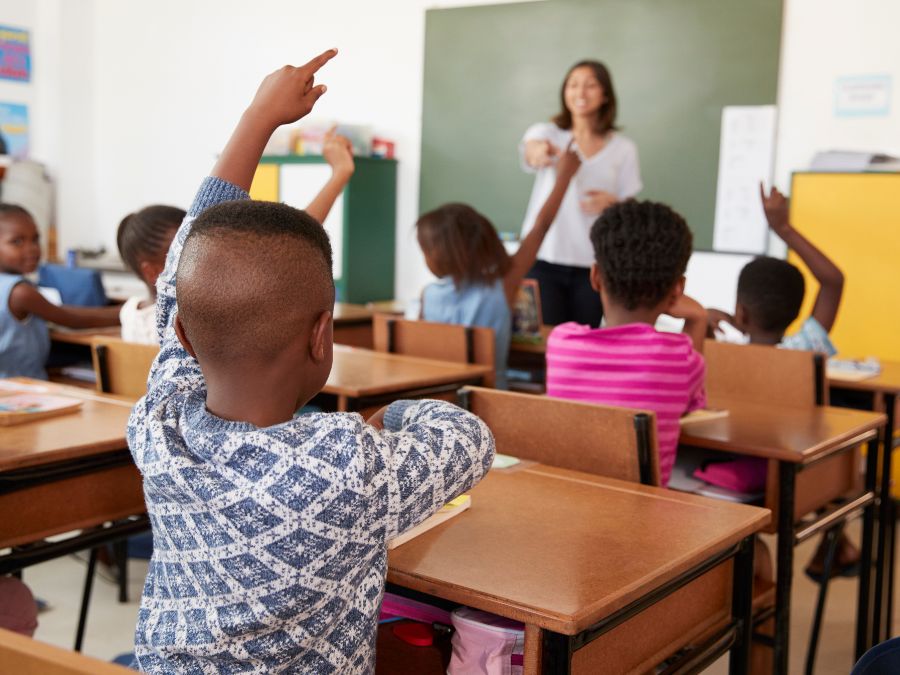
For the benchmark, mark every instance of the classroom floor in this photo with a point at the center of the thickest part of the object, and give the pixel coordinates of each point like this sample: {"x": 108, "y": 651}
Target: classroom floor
{"x": 111, "y": 625}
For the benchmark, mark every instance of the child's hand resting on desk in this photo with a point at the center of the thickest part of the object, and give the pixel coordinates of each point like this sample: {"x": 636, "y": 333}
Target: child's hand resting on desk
{"x": 290, "y": 92}
{"x": 776, "y": 206}
{"x": 338, "y": 152}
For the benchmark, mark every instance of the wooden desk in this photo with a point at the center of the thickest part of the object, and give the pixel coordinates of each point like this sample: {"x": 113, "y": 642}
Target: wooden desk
{"x": 593, "y": 566}
{"x": 361, "y": 378}
{"x": 810, "y": 463}
{"x": 352, "y": 325}
{"x": 884, "y": 389}
{"x": 68, "y": 473}
{"x": 23, "y": 656}
{"x": 81, "y": 336}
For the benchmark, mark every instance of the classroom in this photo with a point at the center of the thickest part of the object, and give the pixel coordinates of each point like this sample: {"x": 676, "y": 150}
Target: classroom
{"x": 472, "y": 366}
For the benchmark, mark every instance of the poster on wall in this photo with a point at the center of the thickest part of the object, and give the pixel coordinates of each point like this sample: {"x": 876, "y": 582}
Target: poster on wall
{"x": 14, "y": 130}
{"x": 15, "y": 54}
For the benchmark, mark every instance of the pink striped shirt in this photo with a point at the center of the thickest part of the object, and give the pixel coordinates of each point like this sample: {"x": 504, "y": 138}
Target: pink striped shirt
{"x": 632, "y": 366}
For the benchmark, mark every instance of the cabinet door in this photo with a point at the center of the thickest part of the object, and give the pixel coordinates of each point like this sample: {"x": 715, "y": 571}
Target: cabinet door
{"x": 299, "y": 184}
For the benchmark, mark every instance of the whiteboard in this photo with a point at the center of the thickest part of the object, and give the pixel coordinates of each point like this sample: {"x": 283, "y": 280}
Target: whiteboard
{"x": 746, "y": 158}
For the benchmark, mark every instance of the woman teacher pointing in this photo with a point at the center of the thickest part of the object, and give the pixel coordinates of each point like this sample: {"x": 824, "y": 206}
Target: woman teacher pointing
{"x": 609, "y": 173}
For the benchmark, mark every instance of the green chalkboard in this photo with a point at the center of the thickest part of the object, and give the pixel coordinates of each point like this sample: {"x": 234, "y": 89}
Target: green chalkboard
{"x": 492, "y": 71}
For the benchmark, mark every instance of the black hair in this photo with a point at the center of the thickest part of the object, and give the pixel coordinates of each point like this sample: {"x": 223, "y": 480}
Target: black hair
{"x": 13, "y": 210}
{"x": 251, "y": 275}
{"x": 146, "y": 234}
{"x": 772, "y": 291}
{"x": 642, "y": 249}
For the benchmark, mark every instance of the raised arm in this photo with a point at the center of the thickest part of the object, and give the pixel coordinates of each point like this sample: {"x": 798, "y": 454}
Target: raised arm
{"x": 695, "y": 319}
{"x": 338, "y": 152}
{"x": 25, "y": 299}
{"x": 524, "y": 258}
{"x": 829, "y": 276}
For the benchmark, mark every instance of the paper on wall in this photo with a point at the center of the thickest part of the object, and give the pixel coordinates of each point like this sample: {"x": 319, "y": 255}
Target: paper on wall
{"x": 746, "y": 153}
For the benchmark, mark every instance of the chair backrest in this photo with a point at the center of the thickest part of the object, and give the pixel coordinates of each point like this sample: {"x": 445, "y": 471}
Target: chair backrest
{"x": 763, "y": 374}
{"x": 602, "y": 440}
{"x": 432, "y": 340}
{"x": 122, "y": 367}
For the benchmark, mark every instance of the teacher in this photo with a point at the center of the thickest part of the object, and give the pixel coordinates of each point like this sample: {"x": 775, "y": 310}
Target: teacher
{"x": 609, "y": 173}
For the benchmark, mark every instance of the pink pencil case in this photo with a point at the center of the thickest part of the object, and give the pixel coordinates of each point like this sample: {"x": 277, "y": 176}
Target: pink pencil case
{"x": 745, "y": 474}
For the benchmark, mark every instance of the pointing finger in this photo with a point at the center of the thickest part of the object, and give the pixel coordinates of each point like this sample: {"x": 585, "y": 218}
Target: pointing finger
{"x": 318, "y": 61}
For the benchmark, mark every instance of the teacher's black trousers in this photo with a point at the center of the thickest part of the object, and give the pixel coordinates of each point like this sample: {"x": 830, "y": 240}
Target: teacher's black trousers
{"x": 566, "y": 294}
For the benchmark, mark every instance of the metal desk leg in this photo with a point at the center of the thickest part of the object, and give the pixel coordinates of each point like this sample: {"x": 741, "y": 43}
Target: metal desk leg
{"x": 890, "y": 522}
{"x": 787, "y": 482}
{"x": 742, "y": 608}
{"x": 863, "y": 612}
{"x": 885, "y": 533}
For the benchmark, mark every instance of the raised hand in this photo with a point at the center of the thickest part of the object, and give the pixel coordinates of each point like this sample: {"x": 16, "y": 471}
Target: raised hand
{"x": 290, "y": 92}
{"x": 776, "y": 206}
{"x": 338, "y": 152}
{"x": 567, "y": 165}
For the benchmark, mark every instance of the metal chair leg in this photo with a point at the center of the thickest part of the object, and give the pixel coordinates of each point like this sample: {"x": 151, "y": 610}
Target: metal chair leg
{"x": 831, "y": 541}
{"x": 120, "y": 555}
{"x": 85, "y": 599}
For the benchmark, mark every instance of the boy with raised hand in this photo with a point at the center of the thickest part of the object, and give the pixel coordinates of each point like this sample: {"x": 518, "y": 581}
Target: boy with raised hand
{"x": 270, "y": 532}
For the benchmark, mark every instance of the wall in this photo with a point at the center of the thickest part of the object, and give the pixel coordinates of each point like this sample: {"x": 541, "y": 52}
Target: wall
{"x": 131, "y": 101}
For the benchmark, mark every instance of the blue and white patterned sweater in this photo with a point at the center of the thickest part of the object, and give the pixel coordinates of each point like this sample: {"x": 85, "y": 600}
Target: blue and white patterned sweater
{"x": 270, "y": 543}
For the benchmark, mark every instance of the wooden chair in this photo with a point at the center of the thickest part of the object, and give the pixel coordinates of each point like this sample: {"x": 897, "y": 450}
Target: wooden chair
{"x": 24, "y": 656}
{"x": 763, "y": 374}
{"x": 122, "y": 367}
{"x": 602, "y": 440}
{"x": 432, "y": 340}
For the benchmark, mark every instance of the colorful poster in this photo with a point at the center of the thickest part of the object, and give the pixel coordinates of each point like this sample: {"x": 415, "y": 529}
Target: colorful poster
{"x": 15, "y": 54}
{"x": 14, "y": 130}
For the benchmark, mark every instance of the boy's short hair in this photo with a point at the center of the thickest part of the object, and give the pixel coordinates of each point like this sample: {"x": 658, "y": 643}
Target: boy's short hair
{"x": 146, "y": 234}
{"x": 250, "y": 276}
{"x": 772, "y": 291}
{"x": 642, "y": 249}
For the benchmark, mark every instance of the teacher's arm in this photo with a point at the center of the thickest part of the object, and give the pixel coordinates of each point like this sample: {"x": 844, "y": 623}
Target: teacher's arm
{"x": 537, "y": 150}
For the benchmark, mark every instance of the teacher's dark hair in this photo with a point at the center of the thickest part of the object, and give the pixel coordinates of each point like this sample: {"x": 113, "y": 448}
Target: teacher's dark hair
{"x": 606, "y": 115}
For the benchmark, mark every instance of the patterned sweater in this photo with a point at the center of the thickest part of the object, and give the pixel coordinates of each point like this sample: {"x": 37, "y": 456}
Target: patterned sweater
{"x": 270, "y": 543}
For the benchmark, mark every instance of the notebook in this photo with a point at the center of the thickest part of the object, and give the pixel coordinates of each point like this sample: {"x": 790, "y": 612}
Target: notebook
{"x": 18, "y": 408}
{"x": 450, "y": 510}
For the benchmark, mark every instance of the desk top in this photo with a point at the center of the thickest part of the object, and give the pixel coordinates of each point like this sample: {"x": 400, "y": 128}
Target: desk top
{"x": 361, "y": 372}
{"x": 345, "y": 312}
{"x": 537, "y": 347}
{"x": 887, "y": 381}
{"x": 791, "y": 434}
{"x": 99, "y": 426}
{"x": 82, "y": 336}
{"x": 563, "y": 549}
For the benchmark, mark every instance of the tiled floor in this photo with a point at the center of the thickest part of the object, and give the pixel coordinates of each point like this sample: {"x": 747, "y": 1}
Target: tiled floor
{"x": 110, "y": 624}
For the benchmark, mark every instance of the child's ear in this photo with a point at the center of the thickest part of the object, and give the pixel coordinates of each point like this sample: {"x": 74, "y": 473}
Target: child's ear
{"x": 320, "y": 338}
{"x": 596, "y": 277}
{"x": 741, "y": 317}
{"x": 183, "y": 338}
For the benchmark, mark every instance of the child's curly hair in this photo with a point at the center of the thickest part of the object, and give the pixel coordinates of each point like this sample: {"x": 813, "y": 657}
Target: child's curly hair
{"x": 642, "y": 249}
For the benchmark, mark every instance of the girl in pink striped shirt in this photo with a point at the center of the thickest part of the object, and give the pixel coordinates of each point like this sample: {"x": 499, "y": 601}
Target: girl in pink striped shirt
{"x": 641, "y": 251}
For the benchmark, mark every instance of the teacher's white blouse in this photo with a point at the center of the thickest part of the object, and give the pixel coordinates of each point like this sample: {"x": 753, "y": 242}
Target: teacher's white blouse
{"x": 614, "y": 169}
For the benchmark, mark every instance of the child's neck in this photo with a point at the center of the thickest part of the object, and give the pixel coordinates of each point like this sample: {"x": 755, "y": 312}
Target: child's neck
{"x": 619, "y": 316}
{"x": 762, "y": 337}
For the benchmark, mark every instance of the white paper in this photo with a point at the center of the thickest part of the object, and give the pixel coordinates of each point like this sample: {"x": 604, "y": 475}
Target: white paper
{"x": 299, "y": 185}
{"x": 746, "y": 153}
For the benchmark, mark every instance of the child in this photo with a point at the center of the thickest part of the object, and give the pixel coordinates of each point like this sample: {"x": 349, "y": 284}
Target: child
{"x": 144, "y": 238}
{"x": 641, "y": 251}
{"x": 479, "y": 280}
{"x": 24, "y": 338}
{"x": 270, "y": 532}
{"x": 769, "y": 295}
{"x": 770, "y": 291}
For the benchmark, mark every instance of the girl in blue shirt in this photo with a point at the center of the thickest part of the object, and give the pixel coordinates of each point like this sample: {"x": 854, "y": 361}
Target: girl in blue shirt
{"x": 478, "y": 280}
{"x": 24, "y": 338}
